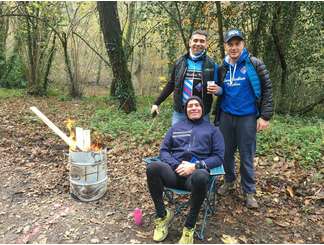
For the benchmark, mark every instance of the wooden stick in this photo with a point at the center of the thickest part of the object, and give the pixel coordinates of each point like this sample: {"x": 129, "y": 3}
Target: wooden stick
{"x": 56, "y": 130}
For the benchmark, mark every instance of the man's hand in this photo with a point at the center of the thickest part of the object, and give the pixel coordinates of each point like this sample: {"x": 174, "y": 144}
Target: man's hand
{"x": 155, "y": 110}
{"x": 262, "y": 124}
{"x": 213, "y": 89}
{"x": 185, "y": 168}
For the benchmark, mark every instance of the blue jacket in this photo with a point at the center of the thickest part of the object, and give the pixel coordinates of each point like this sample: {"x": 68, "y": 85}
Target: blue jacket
{"x": 260, "y": 82}
{"x": 199, "y": 139}
{"x": 239, "y": 95}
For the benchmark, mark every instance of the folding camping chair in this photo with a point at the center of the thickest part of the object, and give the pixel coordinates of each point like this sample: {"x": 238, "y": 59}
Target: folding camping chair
{"x": 208, "y": 206}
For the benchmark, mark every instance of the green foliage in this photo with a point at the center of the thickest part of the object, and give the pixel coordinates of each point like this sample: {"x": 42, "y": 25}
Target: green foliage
{"x": 295, "y": 138}
{"x": 9, "y": 93}
{"x": 35, "y": 35}
{"x": 138, "y": 126}
{"x": 14, "y": 76}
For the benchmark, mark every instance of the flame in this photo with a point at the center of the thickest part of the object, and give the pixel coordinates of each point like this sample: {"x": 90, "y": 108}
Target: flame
{"x": 70, "y": 125}
{"x": 96, "y": 145}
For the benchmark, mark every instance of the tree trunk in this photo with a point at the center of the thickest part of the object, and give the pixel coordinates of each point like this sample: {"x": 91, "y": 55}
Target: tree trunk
{"x": 130, "y": 28}
{"x": 68, "y": 65}
{"x": 261, "y": 26}
{"x": 98, "y": 75}
{"x": 220, "y": 28}
{"x": 279, "y": 49}
{"x": 110, "y": 25}
{"x": 282, "y": 30}
{"x": 49, "y": 63}
{"x": 4, "y": 26}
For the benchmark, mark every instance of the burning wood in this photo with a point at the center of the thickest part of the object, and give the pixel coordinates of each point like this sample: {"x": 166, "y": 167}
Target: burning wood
{"x": 80, "y": 139}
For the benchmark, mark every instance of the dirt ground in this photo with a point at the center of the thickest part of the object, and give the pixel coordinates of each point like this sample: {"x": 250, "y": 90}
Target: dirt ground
{"x": 36, "y": 207}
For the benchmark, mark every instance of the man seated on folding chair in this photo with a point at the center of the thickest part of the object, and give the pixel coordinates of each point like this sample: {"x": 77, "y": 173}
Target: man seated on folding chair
{"x": 190, "y": 148}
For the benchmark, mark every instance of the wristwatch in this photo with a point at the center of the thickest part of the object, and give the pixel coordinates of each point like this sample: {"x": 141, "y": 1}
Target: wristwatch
{"x": 200, "y": 165}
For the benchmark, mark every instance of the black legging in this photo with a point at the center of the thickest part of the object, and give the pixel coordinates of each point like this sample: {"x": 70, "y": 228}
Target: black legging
{"x": 160, "y": 174}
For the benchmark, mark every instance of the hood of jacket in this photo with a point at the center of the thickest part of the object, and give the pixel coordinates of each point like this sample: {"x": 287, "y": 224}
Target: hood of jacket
{"x": 202, "y": 108}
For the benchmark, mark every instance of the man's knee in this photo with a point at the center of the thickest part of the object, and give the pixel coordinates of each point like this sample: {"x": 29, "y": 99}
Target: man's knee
{"x": 153, "y": 168}
{"x": 200, "y": 178}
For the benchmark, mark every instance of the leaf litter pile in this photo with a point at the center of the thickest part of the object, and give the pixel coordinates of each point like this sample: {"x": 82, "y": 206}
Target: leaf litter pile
{"x": 36, "y": 207}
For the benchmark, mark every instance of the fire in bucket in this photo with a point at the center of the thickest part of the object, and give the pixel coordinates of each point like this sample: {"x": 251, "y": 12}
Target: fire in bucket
{"x": 87, "y": 162}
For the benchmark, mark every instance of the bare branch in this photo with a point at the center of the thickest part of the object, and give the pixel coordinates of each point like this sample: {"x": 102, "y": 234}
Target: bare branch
{"x": 93, "y": 49}
{"x": 140, "y": 40}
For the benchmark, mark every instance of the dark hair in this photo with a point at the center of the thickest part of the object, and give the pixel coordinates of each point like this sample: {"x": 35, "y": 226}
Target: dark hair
{"x": 200, "y": 32}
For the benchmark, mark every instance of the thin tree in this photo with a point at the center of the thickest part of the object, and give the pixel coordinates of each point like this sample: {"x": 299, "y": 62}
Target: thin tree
{"x": 122, "y": 87}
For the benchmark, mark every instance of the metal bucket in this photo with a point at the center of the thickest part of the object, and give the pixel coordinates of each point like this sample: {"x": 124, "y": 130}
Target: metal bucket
{"x": 88, "y": 175}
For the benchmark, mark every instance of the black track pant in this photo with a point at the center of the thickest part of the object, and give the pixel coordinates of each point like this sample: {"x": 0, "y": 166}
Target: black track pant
{"x": 160, "y": 174}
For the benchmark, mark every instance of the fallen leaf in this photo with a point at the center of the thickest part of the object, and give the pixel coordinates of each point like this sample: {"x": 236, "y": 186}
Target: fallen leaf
{"x": 95, "y": 221}
{"x": 319, "y": 195}
{"x": 300, "y": 241}
{"x": 227, "y": 239}
{"x": 276, "y": 159}
{"x": 143, "y": 234}
{"x": 94, "y": 240}
{"x": 209, "y": 239}
{"x": 269, "y": 221}
{"x": 282, "y": 223}
{"x": 290, "y": 191}
{"x": 243, "y": 238}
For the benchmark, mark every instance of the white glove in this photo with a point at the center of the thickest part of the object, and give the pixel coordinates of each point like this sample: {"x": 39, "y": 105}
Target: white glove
{"x": 155, "y": 110}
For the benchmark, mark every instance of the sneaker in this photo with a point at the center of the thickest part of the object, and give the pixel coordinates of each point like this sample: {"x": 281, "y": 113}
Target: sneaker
{"x": 250, "y": 201}
{"x": 162, "y": 226}
{"x": 187, "y": 236}
{"x": 226, "y": 188}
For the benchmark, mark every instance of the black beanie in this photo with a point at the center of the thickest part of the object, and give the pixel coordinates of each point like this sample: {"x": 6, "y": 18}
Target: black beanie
{"x": 200, "y": 102}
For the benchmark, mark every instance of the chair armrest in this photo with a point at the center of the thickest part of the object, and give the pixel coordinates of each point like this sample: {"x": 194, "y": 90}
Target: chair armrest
{"x": 149, "y": 160}
{"x": 217, "y": 170}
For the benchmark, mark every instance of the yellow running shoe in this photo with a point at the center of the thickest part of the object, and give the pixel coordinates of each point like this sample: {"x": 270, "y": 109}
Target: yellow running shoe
{"x": 187, "y": 236}
{"x": 162, "y": 226}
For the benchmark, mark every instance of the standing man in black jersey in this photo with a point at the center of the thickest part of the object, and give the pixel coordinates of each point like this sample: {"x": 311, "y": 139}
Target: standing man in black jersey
{"x": 194, "y": 73}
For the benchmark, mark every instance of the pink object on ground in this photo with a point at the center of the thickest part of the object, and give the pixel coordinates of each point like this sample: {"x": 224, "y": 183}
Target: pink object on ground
{"x": 137, "y": 216}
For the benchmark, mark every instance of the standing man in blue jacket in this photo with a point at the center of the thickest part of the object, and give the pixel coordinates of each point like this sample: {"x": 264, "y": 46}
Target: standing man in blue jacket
{"x": 190, "y": 148}
{"x": 190, "y": 76}
{"x": 244, "y": 109}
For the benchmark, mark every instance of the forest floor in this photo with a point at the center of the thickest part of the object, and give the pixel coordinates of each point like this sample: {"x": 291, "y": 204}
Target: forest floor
{"x": 36, "y": 207}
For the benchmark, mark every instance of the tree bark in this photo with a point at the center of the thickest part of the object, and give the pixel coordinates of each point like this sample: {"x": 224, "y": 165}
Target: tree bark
{"x": 110, "y": 25}
{"x": 130, "y": 28}
{"x": 261, "y": 25}
{"x": 280, "y": 50}
{"x": 49, "y": 63}
{"x": 4, "y": 27}
{"x": 283, "y": 24}
{"x": 220, "y": 28}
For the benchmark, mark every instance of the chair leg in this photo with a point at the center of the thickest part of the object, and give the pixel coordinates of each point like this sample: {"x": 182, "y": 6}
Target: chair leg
{"x": 178, "y": 206}
{"x": 169, "y": 195}
{"x": 209, "y": 206}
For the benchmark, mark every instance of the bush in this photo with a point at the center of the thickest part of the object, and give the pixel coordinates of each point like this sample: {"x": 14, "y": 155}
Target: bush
{"x": 295, "y": 138}
{"x": 138, "y": 126}
{"x": 15, "y": 76}
{"x": 7, "y": 93}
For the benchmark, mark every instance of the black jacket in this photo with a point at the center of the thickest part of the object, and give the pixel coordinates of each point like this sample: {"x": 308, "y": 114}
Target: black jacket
{"x": 176, "y": 83}
{"x": 265, "y": 105}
